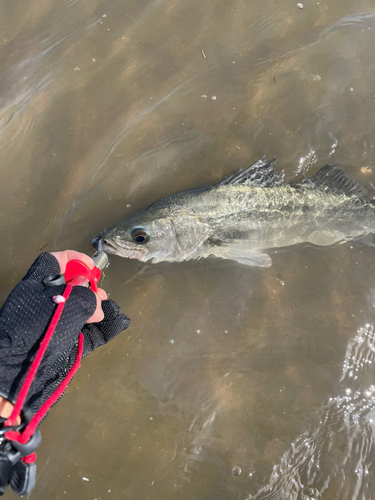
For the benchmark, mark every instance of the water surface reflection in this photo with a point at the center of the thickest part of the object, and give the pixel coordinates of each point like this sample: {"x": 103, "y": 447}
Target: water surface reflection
{"x": 335, "y": 459}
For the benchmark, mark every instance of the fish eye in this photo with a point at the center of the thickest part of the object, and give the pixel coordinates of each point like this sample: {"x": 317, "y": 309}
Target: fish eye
{"x": 140, "y": 235}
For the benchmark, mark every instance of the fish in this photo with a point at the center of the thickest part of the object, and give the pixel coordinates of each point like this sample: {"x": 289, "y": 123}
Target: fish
{"x": 245, "y": 217}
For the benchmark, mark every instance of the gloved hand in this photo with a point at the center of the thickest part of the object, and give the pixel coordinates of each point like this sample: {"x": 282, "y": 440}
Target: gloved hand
{"x": 25, "y": 317}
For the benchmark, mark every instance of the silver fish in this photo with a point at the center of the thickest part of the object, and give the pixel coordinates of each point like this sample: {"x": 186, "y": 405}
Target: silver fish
{"x": 243, "y": 216}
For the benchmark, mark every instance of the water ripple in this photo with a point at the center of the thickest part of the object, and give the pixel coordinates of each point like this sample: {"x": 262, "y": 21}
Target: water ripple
{"x": 336, "y": 457}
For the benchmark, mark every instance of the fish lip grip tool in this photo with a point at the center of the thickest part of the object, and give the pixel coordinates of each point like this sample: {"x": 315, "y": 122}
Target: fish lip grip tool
{"x": 78, "y": 273}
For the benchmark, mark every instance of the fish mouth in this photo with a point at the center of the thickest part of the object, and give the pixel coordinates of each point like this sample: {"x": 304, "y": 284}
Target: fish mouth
{"x": 111, "y": 247}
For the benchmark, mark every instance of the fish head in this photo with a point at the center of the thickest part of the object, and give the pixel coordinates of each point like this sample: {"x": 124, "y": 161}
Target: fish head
{"x": 157, "y": 234}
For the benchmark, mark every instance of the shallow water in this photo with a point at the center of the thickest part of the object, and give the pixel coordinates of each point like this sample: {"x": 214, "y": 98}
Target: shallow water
{"x": 225, "y": 368}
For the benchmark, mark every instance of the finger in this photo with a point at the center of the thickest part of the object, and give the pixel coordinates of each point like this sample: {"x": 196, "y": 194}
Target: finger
{"x": 64, "y": 257}
{"x": 102, "y": 294}
{"x": 98, "y": 314}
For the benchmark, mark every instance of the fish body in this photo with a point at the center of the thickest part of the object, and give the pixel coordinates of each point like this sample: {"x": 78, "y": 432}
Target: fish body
{"x": 243, "y": 216}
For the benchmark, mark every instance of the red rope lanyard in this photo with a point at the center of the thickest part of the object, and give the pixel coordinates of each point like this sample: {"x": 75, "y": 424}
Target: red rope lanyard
{"x": 34, "y": 422}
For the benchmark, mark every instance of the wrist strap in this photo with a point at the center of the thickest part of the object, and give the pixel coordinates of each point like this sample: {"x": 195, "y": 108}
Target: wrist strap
{"x": 28, "y": 432}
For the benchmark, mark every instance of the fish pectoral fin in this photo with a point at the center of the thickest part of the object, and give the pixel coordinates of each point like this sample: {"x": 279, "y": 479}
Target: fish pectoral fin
{"x": 255, "y": 259}
{"x": 241, "y": 252}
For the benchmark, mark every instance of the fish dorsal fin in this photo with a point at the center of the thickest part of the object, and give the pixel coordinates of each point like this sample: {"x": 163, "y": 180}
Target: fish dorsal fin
{"x": 333, "y": 177}
{"x": 261, "y": 174}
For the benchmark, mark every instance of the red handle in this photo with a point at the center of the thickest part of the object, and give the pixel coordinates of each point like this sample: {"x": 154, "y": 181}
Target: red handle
{"x": 76, "y": 269}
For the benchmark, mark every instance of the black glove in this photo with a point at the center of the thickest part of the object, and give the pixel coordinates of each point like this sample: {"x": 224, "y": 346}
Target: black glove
{"x": 24, "y": 319}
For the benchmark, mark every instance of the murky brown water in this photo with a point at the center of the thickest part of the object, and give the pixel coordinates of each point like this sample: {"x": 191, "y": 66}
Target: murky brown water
{"x": 104, "y": 104}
